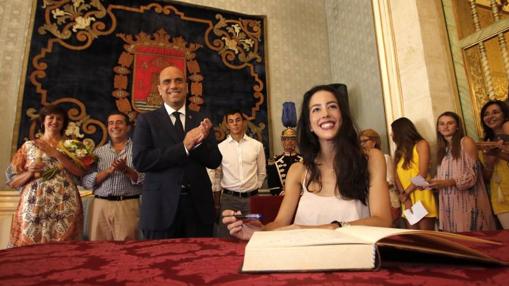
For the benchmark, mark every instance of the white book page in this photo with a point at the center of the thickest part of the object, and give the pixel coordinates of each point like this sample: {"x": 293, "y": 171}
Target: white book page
{"x": 300, "y": 237}
{"x": 308, "y": 237}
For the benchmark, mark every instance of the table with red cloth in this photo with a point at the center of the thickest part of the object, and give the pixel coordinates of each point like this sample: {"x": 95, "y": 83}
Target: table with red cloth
{"x": 215, "y": 261}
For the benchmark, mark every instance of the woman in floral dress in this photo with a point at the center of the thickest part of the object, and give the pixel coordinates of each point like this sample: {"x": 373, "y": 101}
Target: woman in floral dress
{"x": 50, "y": 207}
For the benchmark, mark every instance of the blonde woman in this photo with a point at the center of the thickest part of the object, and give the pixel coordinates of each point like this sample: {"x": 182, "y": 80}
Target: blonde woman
{"x": 370, "y": 139}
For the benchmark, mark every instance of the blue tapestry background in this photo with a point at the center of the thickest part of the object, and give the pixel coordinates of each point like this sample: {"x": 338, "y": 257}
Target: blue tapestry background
{"x": 79, "y": 60}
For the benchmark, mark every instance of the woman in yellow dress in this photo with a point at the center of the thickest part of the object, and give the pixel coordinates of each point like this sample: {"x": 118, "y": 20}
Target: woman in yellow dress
{"x": 495, "y": 123}
{"x": 412, "y": 159}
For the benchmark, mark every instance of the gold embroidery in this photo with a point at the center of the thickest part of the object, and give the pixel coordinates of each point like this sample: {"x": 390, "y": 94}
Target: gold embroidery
{"x": 75, "y": 24}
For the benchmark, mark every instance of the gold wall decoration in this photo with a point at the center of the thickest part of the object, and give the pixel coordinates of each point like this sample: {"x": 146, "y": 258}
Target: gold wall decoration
{"x": 237, "y": 41}
{"x": 75, "y": 24}
{"x": 480, "y": 34}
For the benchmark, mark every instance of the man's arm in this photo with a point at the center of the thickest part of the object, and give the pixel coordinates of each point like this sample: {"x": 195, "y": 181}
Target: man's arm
{"x": 260, "y": 162}
{"x": 89, "y": 180}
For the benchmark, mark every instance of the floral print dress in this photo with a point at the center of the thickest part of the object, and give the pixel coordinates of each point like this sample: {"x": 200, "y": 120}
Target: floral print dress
{"x": 50, "y": 207}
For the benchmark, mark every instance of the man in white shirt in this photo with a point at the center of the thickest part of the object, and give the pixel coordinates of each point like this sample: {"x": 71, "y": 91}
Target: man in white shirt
{"x": 242, "y": 170}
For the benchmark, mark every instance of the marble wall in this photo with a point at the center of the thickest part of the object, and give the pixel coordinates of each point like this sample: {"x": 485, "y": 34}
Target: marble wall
{"x": 422, "y": 63}
{"x": 15, "y": 18}
{"x": 354, "y": 61}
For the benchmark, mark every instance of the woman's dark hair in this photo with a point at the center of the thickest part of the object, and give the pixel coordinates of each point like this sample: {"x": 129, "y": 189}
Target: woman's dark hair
{"x": 405, "y": 136}
{"x": 489, "y": 134}
{"x": 456, "y": 138}
{"x": 350, "y": 165}
{"x": 54, "y": 109}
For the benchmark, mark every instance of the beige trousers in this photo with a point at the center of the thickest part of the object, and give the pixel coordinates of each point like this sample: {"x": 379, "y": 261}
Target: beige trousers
{"x": 114, "y": 220}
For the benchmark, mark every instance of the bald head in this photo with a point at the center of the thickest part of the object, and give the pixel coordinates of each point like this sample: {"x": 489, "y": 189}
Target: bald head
{"x": 173, "y": 87}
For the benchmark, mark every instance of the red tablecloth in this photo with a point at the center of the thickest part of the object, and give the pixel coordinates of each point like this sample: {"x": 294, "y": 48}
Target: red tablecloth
{"x": 213, "y": 261}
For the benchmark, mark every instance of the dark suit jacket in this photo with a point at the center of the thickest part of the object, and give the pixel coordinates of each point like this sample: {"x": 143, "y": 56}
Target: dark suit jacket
{"x": 163, "y": 159}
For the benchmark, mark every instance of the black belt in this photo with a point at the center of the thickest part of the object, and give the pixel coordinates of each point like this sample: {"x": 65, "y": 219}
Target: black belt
{"x": 241, "y": 194}
{"x": 118, "y": 198}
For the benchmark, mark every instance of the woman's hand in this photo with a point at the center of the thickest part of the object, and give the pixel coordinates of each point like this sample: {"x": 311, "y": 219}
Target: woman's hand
{"x": 36, "y": 167}
{"x": 440, "y": 184}
{"x": 238, "y": 228}
{"x": 47, "y": 148}
{"x": 404, "y": 198}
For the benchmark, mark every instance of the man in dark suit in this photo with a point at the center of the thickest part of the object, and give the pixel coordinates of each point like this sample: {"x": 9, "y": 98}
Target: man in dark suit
{"x": 177, "y": 196}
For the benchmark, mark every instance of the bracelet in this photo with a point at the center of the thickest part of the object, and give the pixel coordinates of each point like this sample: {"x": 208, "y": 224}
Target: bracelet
{"x": 340, "y": 223}
{"x": 336, "y": 223}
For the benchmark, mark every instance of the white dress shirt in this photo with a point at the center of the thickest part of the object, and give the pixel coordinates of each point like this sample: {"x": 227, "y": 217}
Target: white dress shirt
{"x": 182, "y": 111}
{"x": 243, "y": 165}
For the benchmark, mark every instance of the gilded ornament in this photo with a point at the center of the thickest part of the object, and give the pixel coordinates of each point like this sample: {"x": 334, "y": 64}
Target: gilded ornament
{"x": 71, "y": 23}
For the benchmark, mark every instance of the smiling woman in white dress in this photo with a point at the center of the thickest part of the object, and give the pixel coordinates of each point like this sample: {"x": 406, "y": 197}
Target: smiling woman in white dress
{"x": 339, "y": 183}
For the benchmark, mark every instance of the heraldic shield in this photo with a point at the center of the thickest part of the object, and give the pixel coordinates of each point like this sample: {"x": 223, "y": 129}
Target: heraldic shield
{"x": 148, "y": 62}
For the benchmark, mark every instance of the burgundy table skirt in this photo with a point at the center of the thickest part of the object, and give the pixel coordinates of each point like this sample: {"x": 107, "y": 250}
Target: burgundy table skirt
{"x": 214, "y": 261}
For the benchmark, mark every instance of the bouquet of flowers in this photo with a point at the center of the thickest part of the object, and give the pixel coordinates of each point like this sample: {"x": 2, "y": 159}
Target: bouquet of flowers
{"x": 79, "y": 152}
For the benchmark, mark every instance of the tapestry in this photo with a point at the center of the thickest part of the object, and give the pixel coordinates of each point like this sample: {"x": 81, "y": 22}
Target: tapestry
{"x": 94, "y": 57}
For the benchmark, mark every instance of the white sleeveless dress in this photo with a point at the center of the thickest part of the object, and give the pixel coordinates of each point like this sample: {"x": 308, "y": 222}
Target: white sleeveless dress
{"x": 314, "y": 209}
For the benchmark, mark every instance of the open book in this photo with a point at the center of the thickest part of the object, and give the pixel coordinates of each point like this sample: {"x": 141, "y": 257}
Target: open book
{"x": 348, "y": 248}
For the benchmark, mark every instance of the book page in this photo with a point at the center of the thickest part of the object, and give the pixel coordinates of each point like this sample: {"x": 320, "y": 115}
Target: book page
{"x": 355, "y": 234}
{"x": 371, "y": 234}
{"x": 301, "y": 237}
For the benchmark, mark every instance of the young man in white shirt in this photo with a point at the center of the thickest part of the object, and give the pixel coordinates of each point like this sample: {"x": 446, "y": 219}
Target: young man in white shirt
{"x": 242, "y": 170}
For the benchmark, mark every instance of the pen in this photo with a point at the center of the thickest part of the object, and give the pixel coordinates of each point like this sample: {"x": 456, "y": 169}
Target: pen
{"x": 246, "y": 216}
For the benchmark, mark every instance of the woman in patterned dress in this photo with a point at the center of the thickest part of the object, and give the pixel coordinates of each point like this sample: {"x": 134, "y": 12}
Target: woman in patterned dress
{"x": 50, "y": 207}
{"x": 463, "y": 199}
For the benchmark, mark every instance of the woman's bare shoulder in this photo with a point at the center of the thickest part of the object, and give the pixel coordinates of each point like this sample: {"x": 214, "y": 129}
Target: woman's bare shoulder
{"x": 375, "y": 154}
{"x": 296, "y": 168}
{"x": 467, "y": 140}
{"x": 422, "y": 143}
{"x": 505, "y": 127}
